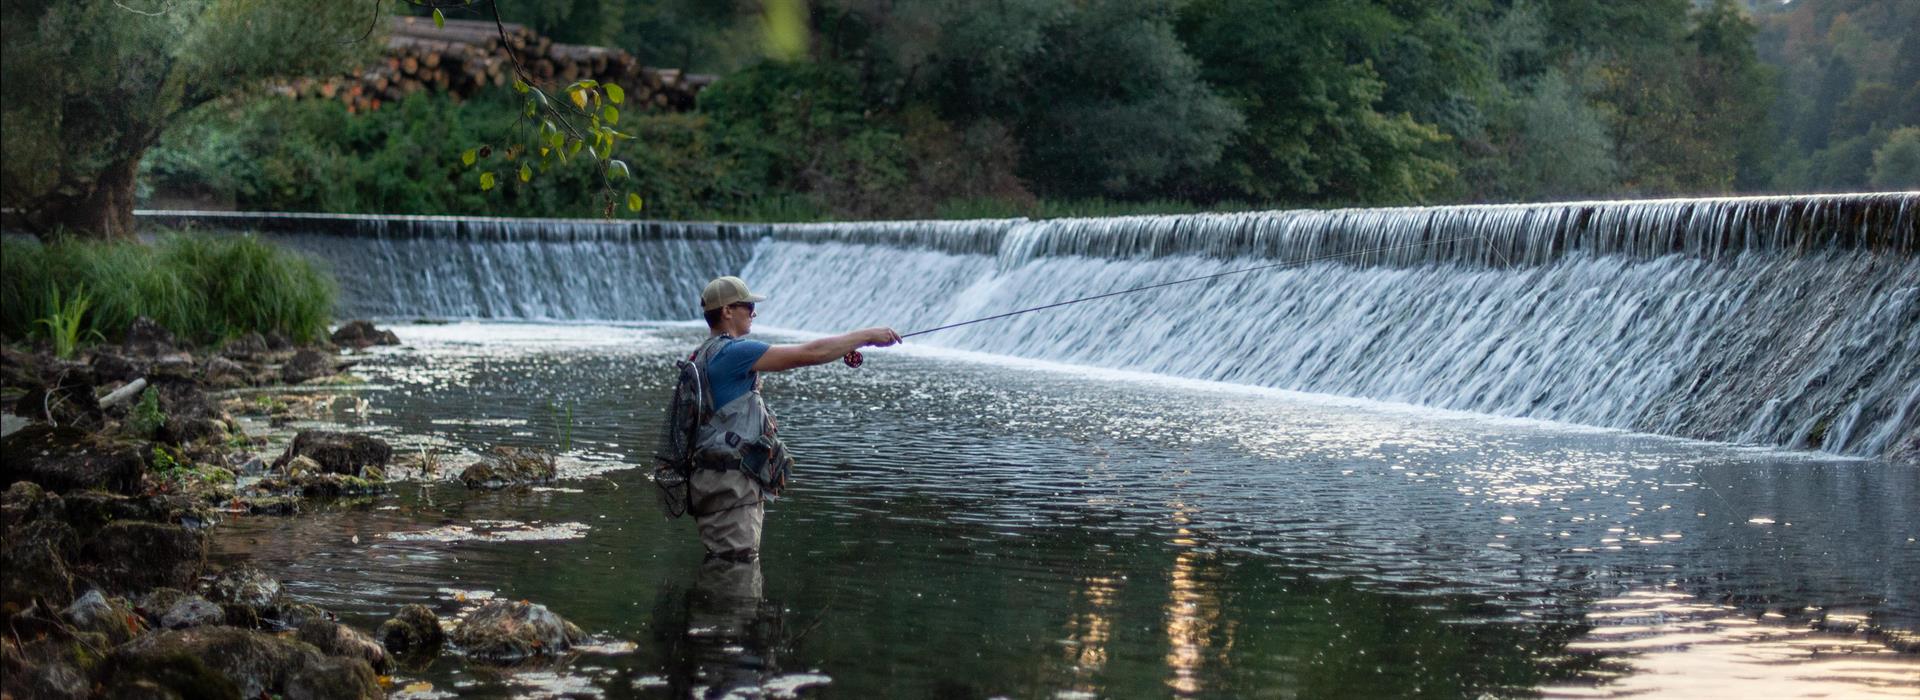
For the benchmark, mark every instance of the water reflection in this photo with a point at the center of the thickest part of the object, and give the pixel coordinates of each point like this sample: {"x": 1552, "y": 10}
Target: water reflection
{"x": 1089, "y": 534}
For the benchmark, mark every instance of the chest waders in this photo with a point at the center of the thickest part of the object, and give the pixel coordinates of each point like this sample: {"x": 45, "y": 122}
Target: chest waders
{"x": 739, "y": 435}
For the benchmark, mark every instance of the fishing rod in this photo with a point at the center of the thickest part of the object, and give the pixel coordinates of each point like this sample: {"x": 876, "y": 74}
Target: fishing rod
{"x": 853, "y": 359}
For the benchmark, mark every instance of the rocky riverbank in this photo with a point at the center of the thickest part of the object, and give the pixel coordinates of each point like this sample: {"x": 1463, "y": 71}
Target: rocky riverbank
{"x": 116, "y": 465}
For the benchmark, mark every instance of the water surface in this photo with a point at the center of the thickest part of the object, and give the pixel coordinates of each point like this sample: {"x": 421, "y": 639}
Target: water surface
{"x": 969, "y": 526}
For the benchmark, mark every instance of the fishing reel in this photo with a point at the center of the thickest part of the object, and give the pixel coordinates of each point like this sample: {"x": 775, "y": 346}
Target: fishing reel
{"x": 853, "y": 359}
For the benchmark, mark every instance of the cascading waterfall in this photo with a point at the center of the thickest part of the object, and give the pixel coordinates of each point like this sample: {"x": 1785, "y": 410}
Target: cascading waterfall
{"x": 1789, "y": 321}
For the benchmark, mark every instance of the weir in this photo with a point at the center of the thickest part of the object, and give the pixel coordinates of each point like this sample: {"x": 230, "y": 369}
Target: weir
{"x": 1784, "y": 321}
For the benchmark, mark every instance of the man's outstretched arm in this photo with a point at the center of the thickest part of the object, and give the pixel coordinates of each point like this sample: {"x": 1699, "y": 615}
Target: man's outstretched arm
{"x": 824, "y": 350}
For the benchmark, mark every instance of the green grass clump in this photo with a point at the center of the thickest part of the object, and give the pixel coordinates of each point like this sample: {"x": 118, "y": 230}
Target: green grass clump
{"x": 63, "y": 320}
{"x": 203, "y": 288}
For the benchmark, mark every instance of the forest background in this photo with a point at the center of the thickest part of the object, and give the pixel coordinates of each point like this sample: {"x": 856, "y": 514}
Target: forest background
{"x": 957, "y": 108}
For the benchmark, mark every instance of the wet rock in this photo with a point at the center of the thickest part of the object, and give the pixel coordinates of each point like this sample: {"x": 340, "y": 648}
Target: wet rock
{"x": 509, "y": 466}
{"x": 412, "y": 631}
{"x": 305, "y": 365}
{"x": 255, "y": 664}
{"x": 138, "y": 555}
{"x": 248, "y": 595}
{"x": 337, "y": 453}
{"x": 34, "y": 565}
{"x": 65, "y": 395}
{"x": 222, "y": 373}
{"x": 321, "y": 485}
{"x": 335, "y": 639}
{"x": 154, "y": 604}
{"x": 193, "y": 611}
{"x": 112, "y": 367}
{"x": 90, "y": 511}
{"x": 145, "y": 338}
{"x": 269, "y": 505}
{"x": 113, "y": 618}
{"x": 506, "y": 632}
{"x": 362, "y": 334}
{"x": 246, "y": 347}
{"x": 50, "y": 667}
{"x": 293, "y": 615}
{"x": 25, "y": 502}
{"x": 66, "y": 458}
{"x": 191, "y": 417}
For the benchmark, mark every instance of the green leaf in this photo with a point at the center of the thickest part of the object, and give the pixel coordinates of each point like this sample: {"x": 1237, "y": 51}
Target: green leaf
{"x": 439, "y": 20}
{"x": 611, "y": 114}
{"x": 526, "y": 173}
{"x": 469, "y": 156}
{"x": 486, "y": 181}
{"x": 574, "y": 146}
{"x": 556, "y": 139}
{"x": 521, "y": 86}
{"x": 616, "y": 94}
{"x": 619, "y": 168}
{"x": 633, "y": 202}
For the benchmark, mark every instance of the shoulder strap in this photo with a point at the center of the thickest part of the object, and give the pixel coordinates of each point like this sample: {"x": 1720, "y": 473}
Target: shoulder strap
{"x": 701, "y": 358}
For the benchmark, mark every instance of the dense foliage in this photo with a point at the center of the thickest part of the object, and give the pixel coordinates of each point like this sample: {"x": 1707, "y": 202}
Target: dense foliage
{"x": 87, "y": 86}
{"x": 937, "y": 107}
{"x": 203, "y": 288}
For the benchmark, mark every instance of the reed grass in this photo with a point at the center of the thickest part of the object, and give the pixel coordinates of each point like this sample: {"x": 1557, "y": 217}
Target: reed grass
{"x": 203, "y": 288}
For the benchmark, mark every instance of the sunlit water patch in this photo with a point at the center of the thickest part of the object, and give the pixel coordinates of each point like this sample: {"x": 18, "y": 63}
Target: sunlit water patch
{"x": 964, "y": 527}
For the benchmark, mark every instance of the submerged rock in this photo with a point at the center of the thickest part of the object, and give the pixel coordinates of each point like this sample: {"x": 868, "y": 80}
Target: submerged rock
{"x": 506, "y": 632}
{"x": 415, "y": 630}
{"x": 254, "y": 664}
{"x": 338, "y": 453}
{"x": 335, "y": 639}
{"x": 361, "y": 334}
{"x": 509, "y": 466}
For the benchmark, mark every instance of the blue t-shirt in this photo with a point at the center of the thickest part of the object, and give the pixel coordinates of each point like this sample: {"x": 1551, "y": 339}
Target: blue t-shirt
{"x": 731, "y": 370}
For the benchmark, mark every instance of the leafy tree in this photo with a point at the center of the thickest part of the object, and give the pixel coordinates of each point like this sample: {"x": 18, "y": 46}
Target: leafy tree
{"x": 87, "y": 86}
{"x": 1896, "y": 166}
{"x": 1313, "y": 132}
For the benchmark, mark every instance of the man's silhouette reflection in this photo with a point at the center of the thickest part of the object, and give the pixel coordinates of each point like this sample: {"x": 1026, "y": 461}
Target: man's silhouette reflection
{"x": 731, "y": 637}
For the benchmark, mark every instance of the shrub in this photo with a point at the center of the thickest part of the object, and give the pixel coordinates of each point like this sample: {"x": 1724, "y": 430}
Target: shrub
{"x": 204, "y": 288}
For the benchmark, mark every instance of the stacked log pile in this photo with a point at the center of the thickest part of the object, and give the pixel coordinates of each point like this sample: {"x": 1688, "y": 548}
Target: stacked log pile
{"x": 468, "y": 56}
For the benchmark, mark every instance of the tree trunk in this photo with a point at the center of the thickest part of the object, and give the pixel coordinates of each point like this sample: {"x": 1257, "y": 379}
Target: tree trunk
{"x": 105, "y": 211}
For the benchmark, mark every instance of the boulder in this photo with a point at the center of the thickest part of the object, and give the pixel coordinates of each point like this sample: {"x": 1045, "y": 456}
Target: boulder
{"x": 335, "y": 639}
{"x": 49, "y": 667}
{"x": 67, "y": 458}
{"x": 18, "y": 369}
{"x": 507, "y": 632}
{"x": 293, "y": 615}
{"x": 248, "y": 595}
{"x": 278, "y": 342}
{"x": 336, "y": 452}
{"x": 509, "y": 466}
{"x": 154, "y": 604}
{"x": 113, "y": 618}
{"x": 34, "y": 565}
{"x": 249, "y": 346}
{"x": 305, "y": 365}
{"x": 89, "y": 511}
{"x": 25, "y": 502}
{"x": 362, "y": 334}
{"x": 255, "y": 664}
{"x": 191, "y": 417}
{"x": 193, "y": 611}
{"x": 222, "y": 373}
{"x": 413, "y": 630}
{"x": 145, "y": 338}
{"x": 137, "y": 555}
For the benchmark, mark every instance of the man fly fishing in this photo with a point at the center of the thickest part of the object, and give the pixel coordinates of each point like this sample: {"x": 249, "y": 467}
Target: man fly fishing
{"x": 722, "y": 450}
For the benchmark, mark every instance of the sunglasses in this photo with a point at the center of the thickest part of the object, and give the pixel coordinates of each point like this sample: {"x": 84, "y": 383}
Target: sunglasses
{"x": 748, "y": 305}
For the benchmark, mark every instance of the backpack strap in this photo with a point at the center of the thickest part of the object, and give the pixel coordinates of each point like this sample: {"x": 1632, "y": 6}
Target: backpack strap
{"x": 701, "y": 357}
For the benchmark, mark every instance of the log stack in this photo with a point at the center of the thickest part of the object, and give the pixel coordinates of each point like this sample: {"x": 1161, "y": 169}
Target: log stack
{"x": 468, "y": 56}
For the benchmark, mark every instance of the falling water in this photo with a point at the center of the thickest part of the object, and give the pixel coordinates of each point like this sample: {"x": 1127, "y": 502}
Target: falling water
{"x": 1791, "y": 321}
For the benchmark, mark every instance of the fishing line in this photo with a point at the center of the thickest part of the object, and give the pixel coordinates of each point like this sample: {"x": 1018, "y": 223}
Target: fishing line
{"x": 1202, "y": 278}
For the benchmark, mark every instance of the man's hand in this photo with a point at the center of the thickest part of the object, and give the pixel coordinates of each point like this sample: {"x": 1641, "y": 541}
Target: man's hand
{"x": 819, "y": 352}
{"x": 879, "y": 337}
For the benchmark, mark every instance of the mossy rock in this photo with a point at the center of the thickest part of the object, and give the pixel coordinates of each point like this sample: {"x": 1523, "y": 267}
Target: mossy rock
{"x": 65, "y": 459}
{"x": 255, "y": 663}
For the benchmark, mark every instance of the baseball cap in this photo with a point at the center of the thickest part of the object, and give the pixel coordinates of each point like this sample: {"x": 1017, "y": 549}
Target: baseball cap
{"x": 726, "y": 290}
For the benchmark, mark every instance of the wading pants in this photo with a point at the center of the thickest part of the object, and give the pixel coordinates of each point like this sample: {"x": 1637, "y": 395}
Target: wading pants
{"x": 729, "y": 508}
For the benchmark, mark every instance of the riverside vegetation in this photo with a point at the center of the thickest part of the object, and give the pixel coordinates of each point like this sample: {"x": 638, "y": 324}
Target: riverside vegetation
{"x": 122, "y": 447}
